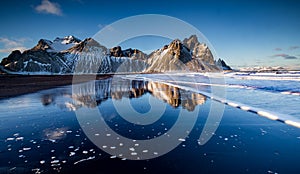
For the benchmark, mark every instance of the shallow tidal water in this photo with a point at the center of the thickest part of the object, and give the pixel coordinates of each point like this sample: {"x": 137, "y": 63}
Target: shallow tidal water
{"x": 123, "y": 125}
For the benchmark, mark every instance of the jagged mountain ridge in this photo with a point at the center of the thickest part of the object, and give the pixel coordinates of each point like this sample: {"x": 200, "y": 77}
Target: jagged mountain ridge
{"x": 180, "y": 56}
{"x": 72, "y": 55}
{"x": 57, "y": 45}
{"x": 198, "y": 50}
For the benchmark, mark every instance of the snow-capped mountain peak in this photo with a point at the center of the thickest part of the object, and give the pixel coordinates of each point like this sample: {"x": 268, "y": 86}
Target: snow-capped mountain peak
{"x": 62, "y": 44}
{"x": 67, "y": 40}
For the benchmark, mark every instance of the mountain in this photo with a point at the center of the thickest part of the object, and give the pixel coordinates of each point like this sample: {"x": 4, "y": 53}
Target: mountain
{"x": 46, "y": 57}
{"x": 133, "y": 53}
{"x": 198, "y": 50}
{"x": 221, "y": 63}
{"x": 33, "y": 60}
{"x": 71, "y": 55}
{"x": 188, "y": 55}
{"x": 169, "y": 58}
{"x": 57, "y": 45}
{"x": 277, "y": 69}
{"x": 91, "y": 57}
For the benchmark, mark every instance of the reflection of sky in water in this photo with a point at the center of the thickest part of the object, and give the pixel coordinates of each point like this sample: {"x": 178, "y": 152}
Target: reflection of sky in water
{"x": 44, "y": 122}
{"x": 40, "y": 133}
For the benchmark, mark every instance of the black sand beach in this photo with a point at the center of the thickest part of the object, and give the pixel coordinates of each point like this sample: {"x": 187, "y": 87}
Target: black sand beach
{"x": 14, "y": 85}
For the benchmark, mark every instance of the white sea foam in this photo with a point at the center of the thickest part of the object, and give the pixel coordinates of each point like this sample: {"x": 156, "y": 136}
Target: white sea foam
{"x": 86, "y": 159}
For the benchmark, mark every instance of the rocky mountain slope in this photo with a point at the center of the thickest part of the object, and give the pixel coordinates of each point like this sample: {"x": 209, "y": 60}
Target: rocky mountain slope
{"x": 198, "y": 50}
{"x": 71, "y": 55}
{"x": 188, "y": 55}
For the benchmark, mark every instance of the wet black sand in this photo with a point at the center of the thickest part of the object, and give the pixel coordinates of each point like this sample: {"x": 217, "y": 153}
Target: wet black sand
{"x": 14, "y": 85}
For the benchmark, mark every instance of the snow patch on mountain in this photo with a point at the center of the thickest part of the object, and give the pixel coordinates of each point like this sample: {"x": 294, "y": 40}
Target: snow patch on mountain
{"x": 62, "y": 44}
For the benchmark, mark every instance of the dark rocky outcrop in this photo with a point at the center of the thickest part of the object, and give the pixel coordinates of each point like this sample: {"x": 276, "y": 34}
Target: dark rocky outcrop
{"x": 43, "y": 44}
{"x": 221, "y": 63}
{"x": 14, "y": 56}
{"x": 133, "y": 53}
{"x": 35, "y": 61}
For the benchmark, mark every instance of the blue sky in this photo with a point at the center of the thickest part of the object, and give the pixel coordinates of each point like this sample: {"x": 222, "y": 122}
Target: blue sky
{"x": 243, "y": 33}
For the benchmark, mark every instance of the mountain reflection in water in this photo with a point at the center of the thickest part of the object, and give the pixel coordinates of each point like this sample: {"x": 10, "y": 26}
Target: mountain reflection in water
{"x": 105, "y": 89}
{"x": 93, "y": 93}
{"x": 41, "y": 134}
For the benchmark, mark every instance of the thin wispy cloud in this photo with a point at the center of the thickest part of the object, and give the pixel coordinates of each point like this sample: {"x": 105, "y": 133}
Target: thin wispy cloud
{"x": 291, "y": 57}
{"x": 289, "y": 48}
{"x": 9, "y": 50}
{"x": 285, "y": 56}
{"x": 294, "y": 47}
{"x": 10, "y": 45}
{"x": 48, "y": 7}
{"x": 278, "y": 49}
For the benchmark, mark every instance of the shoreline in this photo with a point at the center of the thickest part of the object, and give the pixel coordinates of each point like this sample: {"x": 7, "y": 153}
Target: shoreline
{"x": 12, "y": 85}
{"x": 15, "y": 85}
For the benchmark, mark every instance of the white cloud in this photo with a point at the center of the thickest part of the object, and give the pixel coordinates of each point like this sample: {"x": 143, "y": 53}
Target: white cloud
{"x": 10, "y": 45}
{"x": 9, "y": 50}
{"x": 49, "y": 8}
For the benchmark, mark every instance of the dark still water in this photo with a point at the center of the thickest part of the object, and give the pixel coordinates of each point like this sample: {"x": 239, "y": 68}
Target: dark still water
{"x": 135, "y": 126}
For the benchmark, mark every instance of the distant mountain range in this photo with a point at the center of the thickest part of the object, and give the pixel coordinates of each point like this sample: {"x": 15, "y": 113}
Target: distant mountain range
{"x": 277, "y": 69}
{"x": 72, "y": 55}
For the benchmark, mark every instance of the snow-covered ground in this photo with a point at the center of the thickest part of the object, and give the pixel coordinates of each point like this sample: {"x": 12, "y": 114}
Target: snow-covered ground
{"x": 271, "y": 95}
